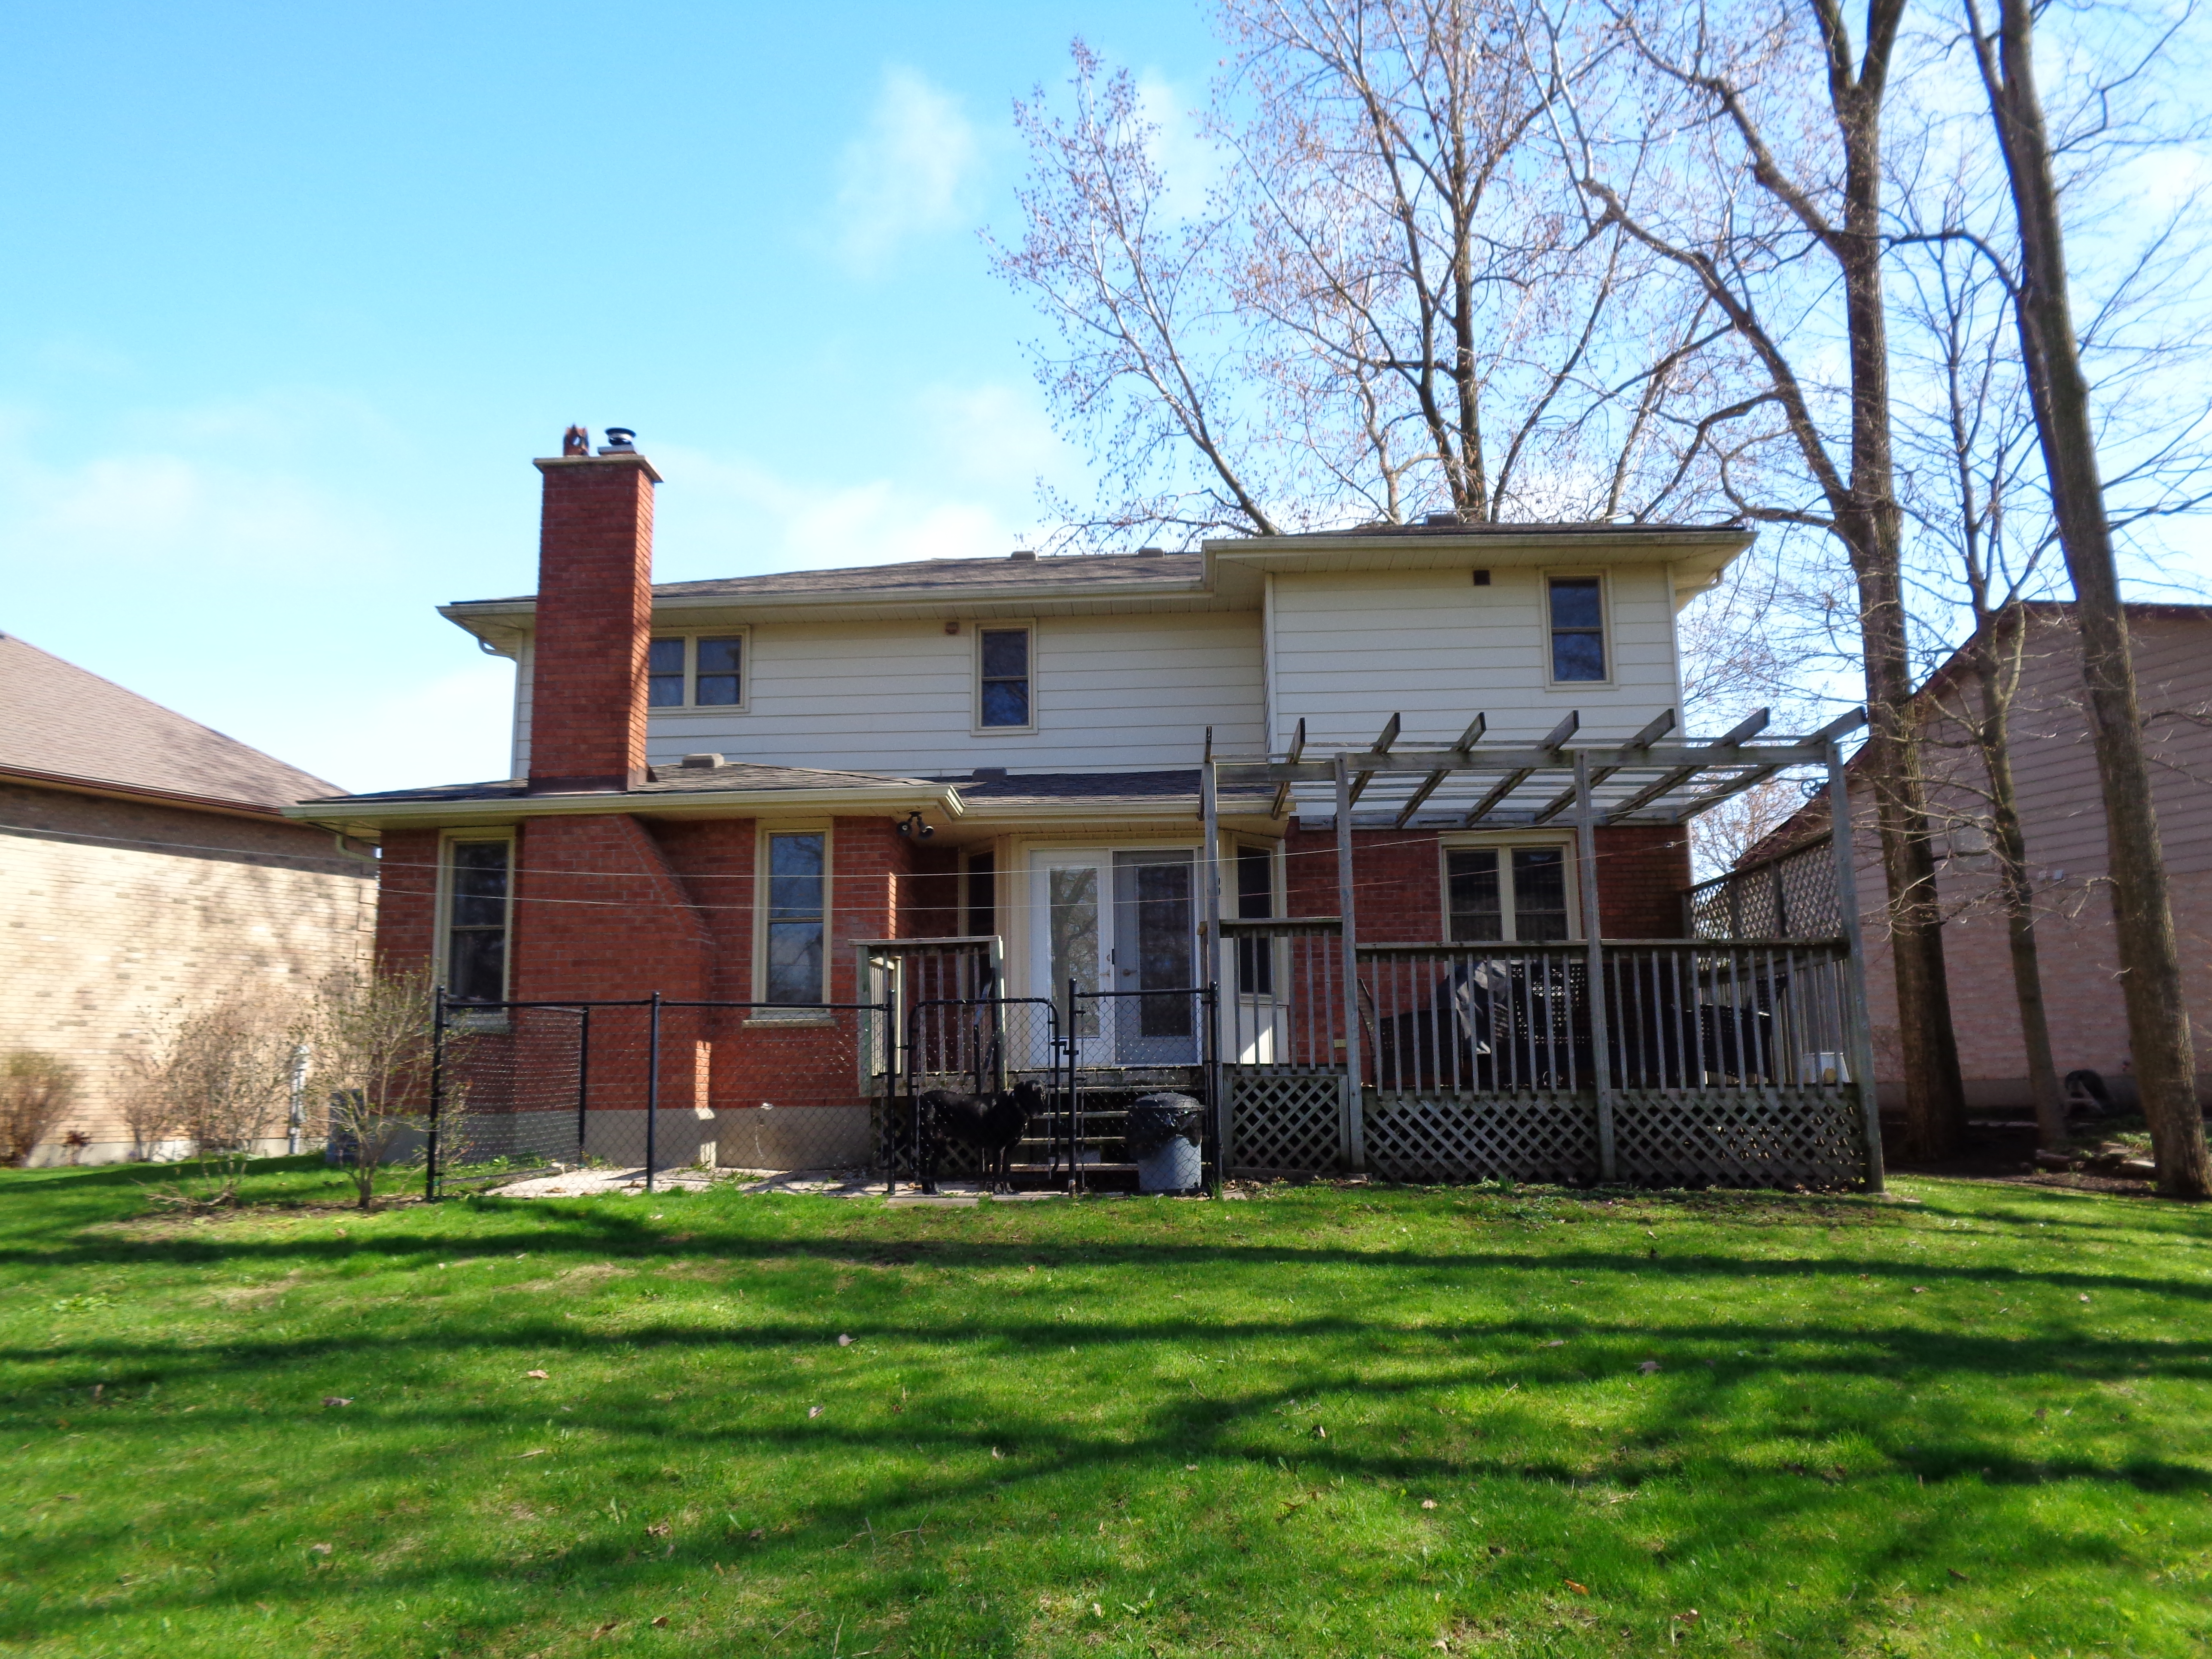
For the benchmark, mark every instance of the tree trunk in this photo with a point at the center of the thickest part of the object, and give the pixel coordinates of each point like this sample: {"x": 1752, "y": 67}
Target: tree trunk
{"x": 2143, "y": 915}
{"x": 1871, "y": 527}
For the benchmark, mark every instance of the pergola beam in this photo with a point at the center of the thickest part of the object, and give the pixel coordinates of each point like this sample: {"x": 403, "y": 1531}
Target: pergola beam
{"x": 1656, "y": 729}
{"x": 1513, "y": 779}
{"x": 1380, "y": 746}
{"x": 1468, "y": 739}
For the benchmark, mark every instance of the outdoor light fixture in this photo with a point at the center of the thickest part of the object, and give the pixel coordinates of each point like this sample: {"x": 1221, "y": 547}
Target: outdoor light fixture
{"x": 914, "y": 826}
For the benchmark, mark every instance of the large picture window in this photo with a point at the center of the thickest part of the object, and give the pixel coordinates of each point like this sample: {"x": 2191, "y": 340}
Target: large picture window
{"x": 1514, "y": 895}
{"x": 796, "y": 879}
{"x": 479, "y": 875}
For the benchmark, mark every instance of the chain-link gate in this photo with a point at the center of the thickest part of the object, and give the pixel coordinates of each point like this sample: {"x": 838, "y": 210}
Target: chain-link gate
{"x": 981, "y": 1046}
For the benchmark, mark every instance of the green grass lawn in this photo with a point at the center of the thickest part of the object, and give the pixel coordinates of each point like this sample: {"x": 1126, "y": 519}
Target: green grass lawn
{"x": 1359, "y": 1421}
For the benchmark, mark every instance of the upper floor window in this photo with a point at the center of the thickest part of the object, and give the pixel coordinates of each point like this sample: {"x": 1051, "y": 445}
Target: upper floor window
{"x": 1508, "y": 894}
{"x": 1003, "y": 692}
{"x": 1576, "y": 605}
{"x": 797, "y": 877}
{"x": 478, "y": 877}
{"x": 686, "y": 670}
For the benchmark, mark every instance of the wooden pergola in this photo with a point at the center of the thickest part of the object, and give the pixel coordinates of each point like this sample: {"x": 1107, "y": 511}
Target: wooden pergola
{"x": 1656, "y": 777}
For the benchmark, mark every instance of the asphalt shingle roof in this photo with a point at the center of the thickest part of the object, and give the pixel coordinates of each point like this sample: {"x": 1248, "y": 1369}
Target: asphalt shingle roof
{"x": 65, "y": 721}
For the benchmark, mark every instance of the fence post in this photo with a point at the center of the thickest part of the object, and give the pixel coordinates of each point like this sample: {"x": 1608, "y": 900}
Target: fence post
{"x": 651, "y": 1090}
{"x": 1213, "y": 1086}
{"x": 583, "y": 1081}
{"x": 1847, "y": 902}
{"x": 1074, "y": 1121}
{"x": 437, "y": 1095}
{"x": 1600, "y": 1025}
{"x": 1355, "y": 1120}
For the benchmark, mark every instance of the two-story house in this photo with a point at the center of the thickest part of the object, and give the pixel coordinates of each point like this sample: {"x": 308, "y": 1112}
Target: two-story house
{"x": 725, "y": 792}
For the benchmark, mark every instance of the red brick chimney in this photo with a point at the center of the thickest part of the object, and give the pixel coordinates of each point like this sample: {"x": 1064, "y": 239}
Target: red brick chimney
{"x": 594, "y": 617}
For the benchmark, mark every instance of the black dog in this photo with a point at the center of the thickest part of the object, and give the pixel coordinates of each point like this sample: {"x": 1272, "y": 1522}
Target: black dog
{"x": 995, "y": 1122}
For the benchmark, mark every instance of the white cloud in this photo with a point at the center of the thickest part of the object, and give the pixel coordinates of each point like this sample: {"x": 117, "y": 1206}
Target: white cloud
{"x": 907, "y": 174}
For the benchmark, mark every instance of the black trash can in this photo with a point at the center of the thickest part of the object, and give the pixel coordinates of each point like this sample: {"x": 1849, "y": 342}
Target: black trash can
{"x": 1165, "y": 1132}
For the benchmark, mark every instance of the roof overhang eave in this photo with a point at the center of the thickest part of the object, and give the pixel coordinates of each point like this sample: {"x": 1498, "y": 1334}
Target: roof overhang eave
{"x": 890, "y": 798}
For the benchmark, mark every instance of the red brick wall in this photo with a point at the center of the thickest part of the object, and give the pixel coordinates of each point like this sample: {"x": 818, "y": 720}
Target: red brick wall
{"x": 929, "y": 897}
{"x": 594, "y": 620}
{"x": 1398, "y": 881}
{"x": 407, "y": 902}
{"x": 1642, "y": 869}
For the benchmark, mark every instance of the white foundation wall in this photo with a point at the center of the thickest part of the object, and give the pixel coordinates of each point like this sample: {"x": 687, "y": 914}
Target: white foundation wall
{"x": 1111, "y": 693}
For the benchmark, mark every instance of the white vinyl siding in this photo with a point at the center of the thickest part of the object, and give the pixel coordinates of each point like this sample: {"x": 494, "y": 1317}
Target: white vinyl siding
{"x": 1351, "y": 650}
{"x": 1110, "y": 693}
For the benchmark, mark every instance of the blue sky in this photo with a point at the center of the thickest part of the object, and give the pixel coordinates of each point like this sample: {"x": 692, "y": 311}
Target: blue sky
{"x": 295, "y": 293}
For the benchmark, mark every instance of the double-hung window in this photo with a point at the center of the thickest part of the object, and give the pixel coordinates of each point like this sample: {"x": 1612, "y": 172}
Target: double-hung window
{"x": 797, "y": 885}
{"x": 1575, "y": 606}
{"x": 696, "y": 671}
{"x": 1514, "y": 895}
{"x": 479, "y": 880}
{"x": 1004, "y": 699}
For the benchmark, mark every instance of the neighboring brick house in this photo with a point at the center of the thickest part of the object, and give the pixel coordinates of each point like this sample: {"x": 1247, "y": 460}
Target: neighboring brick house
{"x": 716, "y": 784}
{"x": 2062, "y": 810}
{"x": 146, "y": 864}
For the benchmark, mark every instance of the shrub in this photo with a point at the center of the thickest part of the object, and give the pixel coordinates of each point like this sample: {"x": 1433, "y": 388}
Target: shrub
{"x": 35, "y": 1089}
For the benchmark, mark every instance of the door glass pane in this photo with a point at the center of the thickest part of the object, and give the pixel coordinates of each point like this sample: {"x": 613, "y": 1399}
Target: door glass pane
{"x": 1256, "y": 901}
{"x": 1072, "y": 912}
{"x": 1475, "y": 914}
{"x": 1162, "y": 947}
{"x": 1540, "y": 894}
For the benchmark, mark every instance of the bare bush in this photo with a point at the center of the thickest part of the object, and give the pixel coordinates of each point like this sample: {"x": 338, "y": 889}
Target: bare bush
{"x": 35, "y": 1089}
{"x": 221, "y": 1076}
{"x": 372, "y": 1038}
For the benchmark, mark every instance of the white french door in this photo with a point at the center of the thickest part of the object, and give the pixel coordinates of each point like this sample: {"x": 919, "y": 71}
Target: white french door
{"x": 1123, "y": 920}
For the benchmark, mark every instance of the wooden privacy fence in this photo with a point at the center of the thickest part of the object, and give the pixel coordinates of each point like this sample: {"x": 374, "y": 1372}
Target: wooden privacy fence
{"x": 1696, "y": 1063}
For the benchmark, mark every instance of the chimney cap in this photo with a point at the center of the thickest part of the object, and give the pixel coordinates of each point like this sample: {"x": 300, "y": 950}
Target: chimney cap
{"x": 621, "y": 440}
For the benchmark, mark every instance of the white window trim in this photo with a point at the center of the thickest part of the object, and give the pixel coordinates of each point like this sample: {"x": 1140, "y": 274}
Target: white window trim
{"x": 1232, "y": 904}
{"x": 795, "y": 1013}
{"x": 999, "y": 625}
{"x": 1605, "y": 625}
{"x": 443, "y": 940}
{"x": 691, "y": 637}
{"x": 1502, "y": 839}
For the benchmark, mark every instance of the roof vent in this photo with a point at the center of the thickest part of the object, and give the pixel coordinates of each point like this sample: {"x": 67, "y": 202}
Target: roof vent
{"x": 1432, "y": 519}
{"x": 1151, "y": 552}
{"x": 700, "y": 763}
{"x": 988, "y": 772}
{"x": 621, "y": 440}
{"x": 1026, "y": 553}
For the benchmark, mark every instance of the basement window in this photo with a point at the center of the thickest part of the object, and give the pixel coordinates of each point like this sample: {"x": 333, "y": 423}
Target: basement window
{"x": 1507, "y": 895}
{"x": 478, "y": 883}
{"x": 796, "y": 875}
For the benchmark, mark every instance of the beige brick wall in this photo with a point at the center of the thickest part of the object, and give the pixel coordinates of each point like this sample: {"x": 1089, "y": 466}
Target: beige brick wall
{"x": 112, "y": 912}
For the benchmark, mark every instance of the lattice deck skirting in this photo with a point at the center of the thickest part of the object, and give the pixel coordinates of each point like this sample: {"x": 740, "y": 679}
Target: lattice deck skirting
{"x": 1812, "y": 1136}
{"x": 1285, "y": 1120}
{"x": 1547, "y": 1136}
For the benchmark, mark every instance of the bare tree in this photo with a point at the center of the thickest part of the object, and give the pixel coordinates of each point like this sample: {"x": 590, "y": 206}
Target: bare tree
{"x": 1773, "y": 121}
{"x": 2150, "y": 958}
{"x": 35, "y": 1090}
{"x": 371, "y": 1038}
{"x": 1387, "y": 304}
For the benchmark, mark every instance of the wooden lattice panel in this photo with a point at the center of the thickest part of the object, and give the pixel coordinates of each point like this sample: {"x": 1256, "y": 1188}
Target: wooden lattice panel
{"x": 1286, "y": 1119}
{"x": 1740, "y": 1137}
{"x": 1536, "y": 1136}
